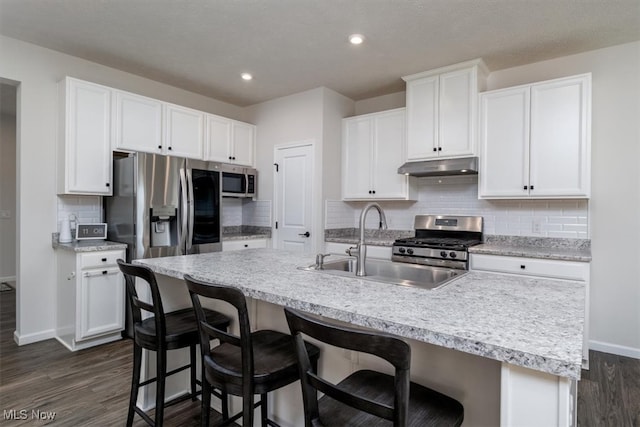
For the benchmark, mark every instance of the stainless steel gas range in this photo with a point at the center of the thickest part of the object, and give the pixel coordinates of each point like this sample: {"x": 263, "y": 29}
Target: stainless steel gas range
{"x": 440, "y": 241}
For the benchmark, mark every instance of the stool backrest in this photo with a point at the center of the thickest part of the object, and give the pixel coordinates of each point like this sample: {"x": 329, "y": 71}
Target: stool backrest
{"x": 390, "y": 348}
{"x": 155, "y": 307}
{"x": 208, "y": 332}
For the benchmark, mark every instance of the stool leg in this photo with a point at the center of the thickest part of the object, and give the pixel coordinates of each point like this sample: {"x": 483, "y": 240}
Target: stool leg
{"x": 161, "y": 370}
{"x": 192, "y": 351}
{"x": 206, "y": 402}
{"x": 135, "y": 380}
{"x": 263, "y": 409}
{"x": 225, "y": 405}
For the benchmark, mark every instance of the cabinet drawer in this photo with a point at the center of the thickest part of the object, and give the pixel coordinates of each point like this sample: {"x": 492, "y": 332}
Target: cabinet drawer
{"x": 235, "y": 245}
{"x": 100, "y": 259}
{"x": 569, "y": 270}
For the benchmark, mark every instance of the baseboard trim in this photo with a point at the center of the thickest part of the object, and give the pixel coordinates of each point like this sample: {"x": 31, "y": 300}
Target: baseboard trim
{"x": 620, "y": 350}
{"x": 31, "y": 338}
{"x": 8, "y": 279}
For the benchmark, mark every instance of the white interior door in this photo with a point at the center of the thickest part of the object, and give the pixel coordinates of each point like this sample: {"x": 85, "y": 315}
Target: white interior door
{"x": 293, "y": 198}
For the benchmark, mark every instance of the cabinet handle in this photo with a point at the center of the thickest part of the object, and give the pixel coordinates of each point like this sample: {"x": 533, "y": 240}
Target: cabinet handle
{"x": 233, "y": 158}
{"x": 369, "y": 191}
{"x": 159, "y": 147}
{"x": 169, "y": 148}
{"x": 439, "y": 148}
{"x": 230, "y": 158}
{"x": 522, "y": 267}
{"x": 374, "y": 191}
{"x": 526, "y": 187}
{"x": 104, "y": 271}
{"x": 107, "y": 184}
{"x": 246, "y": 246}
{"x": 104, "y": 260}
{"x": 531, "y": 188}
{"x": 435, "y": 149}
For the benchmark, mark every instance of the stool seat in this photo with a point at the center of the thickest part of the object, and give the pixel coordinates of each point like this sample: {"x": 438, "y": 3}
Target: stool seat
{"x": 181, "y": 328}
{"x": 427, "y": 407}
{"x": 275, "y": 362}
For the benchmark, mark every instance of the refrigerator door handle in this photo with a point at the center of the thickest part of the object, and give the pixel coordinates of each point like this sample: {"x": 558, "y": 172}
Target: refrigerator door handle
{"x": 191, "y": 209}
{"x": 184, "y": 210}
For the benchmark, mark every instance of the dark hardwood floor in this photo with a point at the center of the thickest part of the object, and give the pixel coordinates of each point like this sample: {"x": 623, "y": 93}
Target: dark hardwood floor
{"x": 83, "y": 388}
{"x": 91, "y": 387}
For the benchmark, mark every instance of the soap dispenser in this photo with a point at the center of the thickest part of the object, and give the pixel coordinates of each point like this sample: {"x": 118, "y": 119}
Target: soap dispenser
{"x": 65, "y": 232}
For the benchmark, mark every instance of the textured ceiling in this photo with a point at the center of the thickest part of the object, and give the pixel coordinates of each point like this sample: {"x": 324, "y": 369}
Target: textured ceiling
{"x": 295, "y": 45}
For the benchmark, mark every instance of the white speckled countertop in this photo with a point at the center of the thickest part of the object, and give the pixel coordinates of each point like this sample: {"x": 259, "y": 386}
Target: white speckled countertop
{"x": 531, "y": 247}
{"x": 89, "y": 245}
{"x": 535, "y": 323}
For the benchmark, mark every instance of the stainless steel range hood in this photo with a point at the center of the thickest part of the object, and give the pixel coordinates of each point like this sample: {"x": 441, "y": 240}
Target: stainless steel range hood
{"x": 436, "y": 167}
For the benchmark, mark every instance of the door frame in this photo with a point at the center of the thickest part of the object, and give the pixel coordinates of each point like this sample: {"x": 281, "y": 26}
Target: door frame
{"x": 316, "y": 188}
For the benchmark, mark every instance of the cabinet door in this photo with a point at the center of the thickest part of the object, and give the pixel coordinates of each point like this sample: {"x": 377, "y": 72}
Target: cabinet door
{"x": 184, "y": 135}
{"x": 422, "y": 118}
{"x": 87, "y": 139}
{"x": 559, "y": 138}
{"x": 101, "y": 297}
{"x": 356, "y": 158}
{"x": 218, "y": 141}
{"x": 504, "y": 143}
{"x": 243, "y": 143}
{"x": 388, "y": 155}
{"x": 138, "y": 123}
{"x": 457, "y": 107}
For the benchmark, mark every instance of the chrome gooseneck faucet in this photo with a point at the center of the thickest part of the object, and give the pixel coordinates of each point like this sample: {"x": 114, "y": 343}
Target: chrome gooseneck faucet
{"x": 361, "y": 248}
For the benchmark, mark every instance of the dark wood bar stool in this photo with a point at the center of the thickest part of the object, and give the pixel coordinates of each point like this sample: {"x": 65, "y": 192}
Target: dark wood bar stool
{"x": 253, "y": 363}
{"x": 367, "y": 398}
{"x": 160, "y": 333}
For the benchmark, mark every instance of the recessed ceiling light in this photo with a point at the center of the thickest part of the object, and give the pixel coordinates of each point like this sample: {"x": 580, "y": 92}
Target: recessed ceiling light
{"x": 246, "y": 76}
{"x": 356, "y": 38}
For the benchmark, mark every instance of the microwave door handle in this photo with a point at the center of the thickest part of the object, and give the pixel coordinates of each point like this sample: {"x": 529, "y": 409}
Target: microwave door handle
{"x": 184, "y": 211}
{"x": 191, "y": 213}
{"x": 246, "y": 184}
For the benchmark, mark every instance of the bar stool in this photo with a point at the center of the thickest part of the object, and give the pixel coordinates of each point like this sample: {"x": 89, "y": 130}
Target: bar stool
{"x": 367, "y": 398}
{"x": 253, "y": 363}
{"x": 160, "y": 333}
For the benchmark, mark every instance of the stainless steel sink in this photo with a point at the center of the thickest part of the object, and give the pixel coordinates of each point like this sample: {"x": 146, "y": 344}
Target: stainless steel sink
{"x": 397, "y": 273}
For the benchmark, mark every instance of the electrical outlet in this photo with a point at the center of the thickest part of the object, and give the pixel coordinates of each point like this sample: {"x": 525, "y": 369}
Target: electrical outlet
{"x": 536, "y": 227}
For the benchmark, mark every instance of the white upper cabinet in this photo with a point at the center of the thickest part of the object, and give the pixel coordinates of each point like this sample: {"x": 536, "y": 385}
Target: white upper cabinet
{"x": 229, "y": 141}
{"x": 373, "y": 148}
{"x": 84, "y": 140}
{"x": 184, "y": 132}
{"x": 442, "y": 111}
{"x": 535, "y": 140}
{"x": 138, "y": 123}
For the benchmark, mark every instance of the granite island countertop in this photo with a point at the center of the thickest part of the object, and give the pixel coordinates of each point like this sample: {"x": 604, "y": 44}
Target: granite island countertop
{"x": 534, "y": 323}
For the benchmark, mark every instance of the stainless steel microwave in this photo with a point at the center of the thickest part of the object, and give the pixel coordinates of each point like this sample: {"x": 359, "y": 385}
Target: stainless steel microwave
{"x": 238, "y": 181}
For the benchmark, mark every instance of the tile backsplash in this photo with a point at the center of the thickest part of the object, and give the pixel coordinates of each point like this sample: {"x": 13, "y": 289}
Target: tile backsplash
{"x": 236, "y": 212}
{"x": 459, "y": 196}
{"x": 87, "y": 209}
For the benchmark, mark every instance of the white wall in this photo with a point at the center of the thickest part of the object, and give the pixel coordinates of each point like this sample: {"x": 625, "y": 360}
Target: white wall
{"x": 615, "y": 196}
{"x": 38, "y": 70}
{"x": 314, "y": 115}
{"x": 8, "y": 197}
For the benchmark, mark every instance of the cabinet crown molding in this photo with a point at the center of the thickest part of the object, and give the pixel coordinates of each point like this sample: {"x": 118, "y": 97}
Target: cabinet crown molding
{"x": 479, "y": 62}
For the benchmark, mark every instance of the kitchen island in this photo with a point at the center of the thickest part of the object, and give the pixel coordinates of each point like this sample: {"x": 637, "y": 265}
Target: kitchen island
{"x": 509, "y": 348}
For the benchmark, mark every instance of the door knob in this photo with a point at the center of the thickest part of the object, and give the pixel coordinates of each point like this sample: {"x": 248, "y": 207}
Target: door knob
{"x": 305, "y": 234}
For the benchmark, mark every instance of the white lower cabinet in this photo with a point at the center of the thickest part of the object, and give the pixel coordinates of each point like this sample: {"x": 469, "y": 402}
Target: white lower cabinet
{"x": 237, "y": 245}
{"x": 90, "y": 298}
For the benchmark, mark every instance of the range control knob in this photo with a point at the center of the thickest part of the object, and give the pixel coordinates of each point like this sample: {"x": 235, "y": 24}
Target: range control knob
{"x": 453, "y": 254}
{"x": 443, "y": 254}
{"x": 402, "y": 250}
{"x": 410, "y": 251}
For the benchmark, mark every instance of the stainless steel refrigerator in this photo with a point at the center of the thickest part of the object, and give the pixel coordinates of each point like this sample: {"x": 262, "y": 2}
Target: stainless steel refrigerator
{"x": 164, "y": 206}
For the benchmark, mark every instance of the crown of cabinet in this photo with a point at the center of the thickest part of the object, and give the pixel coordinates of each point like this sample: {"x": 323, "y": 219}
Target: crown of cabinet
{"x": 442, "y": 110}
